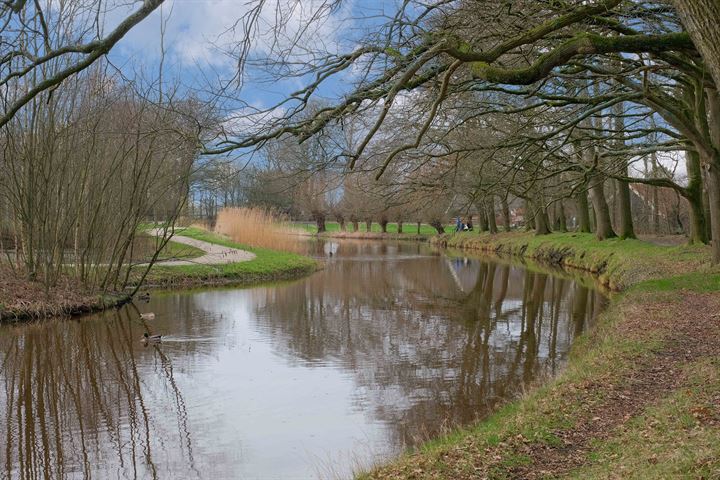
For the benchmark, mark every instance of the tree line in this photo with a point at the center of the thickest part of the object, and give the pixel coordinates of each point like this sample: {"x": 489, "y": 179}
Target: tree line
{"x": 549, "y": 102}
{"x": 567, "y": 110}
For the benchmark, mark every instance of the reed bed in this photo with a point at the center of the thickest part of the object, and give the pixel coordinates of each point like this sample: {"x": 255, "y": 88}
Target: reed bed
{"x": 259, "y": 227}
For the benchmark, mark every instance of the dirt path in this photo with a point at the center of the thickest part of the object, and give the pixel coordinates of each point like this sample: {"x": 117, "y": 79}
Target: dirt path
{"x": 605, "y": 408}
{"x": 693, "y": 335}
{"x": 214, "y": 254}
{"x": 664, "y": 240}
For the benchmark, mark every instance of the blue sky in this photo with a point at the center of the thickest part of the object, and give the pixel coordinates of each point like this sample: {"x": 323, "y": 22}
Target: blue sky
{"x": 197, "y": 32}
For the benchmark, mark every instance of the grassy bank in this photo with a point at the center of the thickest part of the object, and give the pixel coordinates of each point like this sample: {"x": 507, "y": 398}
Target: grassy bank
{"x": 641, "y": 395}
{"x": 616, "y": 263}
{"x": 178, "y": 251}
{"x": 268, "y": 265}
{"x": 22, "y": 300}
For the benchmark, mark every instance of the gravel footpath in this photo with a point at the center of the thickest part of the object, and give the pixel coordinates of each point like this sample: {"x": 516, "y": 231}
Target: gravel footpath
{"x": 214, "y": 254}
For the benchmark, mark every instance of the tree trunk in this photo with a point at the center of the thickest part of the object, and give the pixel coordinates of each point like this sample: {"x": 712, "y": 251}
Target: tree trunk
{"x": 482, "y": 217}
{"x": 383, "y": 225}
{"x": 437, "y": 225}
{"x": 713, "y": 170}
{"x": 603, "y": 225}
{"x": 490, "y": 205}
{"x": 505, "y": 210}
{"x": 625, "y": 223}
{"x": 612, "y": 203}
{"x": 368, "y": 225}
{"x": 341, "y": 221}
{"x": 698, "y": 227}
{"x": 583, "y": 216}
{"x": 320, "y": 222}
{"x": 694, "y": 197}
{"x": 713, "y": 178}
{"x": 701, "y": 19}
{"x": 560, "y": 220}
{"x": 706, "y": 212}
{"x": 541, "y": 219}
{"x": 529, "y": 216}
{"x": 400, "y": 224}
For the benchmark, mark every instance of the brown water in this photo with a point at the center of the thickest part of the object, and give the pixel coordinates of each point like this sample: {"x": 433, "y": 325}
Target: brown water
{"x": 390, "y": 344}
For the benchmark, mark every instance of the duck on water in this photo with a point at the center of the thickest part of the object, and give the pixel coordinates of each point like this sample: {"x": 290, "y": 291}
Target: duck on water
{"x": 147, "y": 338}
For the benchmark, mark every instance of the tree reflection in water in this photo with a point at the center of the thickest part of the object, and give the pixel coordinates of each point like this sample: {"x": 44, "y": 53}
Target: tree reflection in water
{"x": 73, "y": 402}
{"x": 429, "y": 348}
{"x": 389, "y": 344}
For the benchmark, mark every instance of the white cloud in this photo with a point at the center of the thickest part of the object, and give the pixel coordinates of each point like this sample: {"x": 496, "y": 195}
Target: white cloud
{"x": 253, "y": 118}
{"x": 198, "y": 32}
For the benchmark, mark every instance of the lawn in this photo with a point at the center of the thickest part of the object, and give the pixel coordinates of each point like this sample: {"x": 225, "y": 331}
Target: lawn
{"x": 268, "y": 265}
{"x": 179, "y": 251}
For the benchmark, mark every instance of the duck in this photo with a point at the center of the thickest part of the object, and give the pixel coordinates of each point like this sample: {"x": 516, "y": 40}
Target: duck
{"x": 145, "y": 297}
{"x": 147, "y": 316}
{"x": 147, "y": 338}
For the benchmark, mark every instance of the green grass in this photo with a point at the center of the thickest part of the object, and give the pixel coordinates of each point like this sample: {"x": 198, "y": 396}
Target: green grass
{"x": 268, "y": 265}
{"x": 617, "y": 263}
{"x": 696, "y": 282}
{"x": 489, "y": 449}
{"x": 666, "y": 440}
{"x": 670, "y": 439}
{"x": 334, "y": 227}
{"x": 179, "y": 251}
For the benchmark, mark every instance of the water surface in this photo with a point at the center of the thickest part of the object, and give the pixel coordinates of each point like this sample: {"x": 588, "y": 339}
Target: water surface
{"x": 387, "y": 346}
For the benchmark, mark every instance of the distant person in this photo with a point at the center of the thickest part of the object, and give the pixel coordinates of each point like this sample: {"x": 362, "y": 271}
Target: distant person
{"x": 458, "y": 225}
{"x": 469, "y": 226}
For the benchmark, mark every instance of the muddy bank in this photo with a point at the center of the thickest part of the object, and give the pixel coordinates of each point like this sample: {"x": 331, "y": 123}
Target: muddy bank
{"x": 24, "y": 300}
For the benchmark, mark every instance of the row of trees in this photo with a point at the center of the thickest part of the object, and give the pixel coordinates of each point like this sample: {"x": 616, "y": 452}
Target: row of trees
{"x": 455, "y": 107}
{"x": 477, "y": 174}
{"x": 554, "y": 103}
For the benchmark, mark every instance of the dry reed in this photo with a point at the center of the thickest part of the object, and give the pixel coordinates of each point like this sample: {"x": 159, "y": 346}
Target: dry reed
{"x": 258, "y": 227}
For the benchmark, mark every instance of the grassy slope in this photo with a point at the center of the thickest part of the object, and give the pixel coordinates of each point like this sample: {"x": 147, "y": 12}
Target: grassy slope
{"x": 179, "y": 251}
{"x": 22, "y": 300}
{"x": 665, "y": 437}
{"x": 617, "y": 263}
{"x": 268, "y": 265}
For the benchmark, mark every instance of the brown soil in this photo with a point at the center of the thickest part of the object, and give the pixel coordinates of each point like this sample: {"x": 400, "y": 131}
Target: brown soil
{"x": 664, "y": 240}
{"x": 690, "y": 328}
{"x": 21, "y": 299}
{"x": 692, "y": 334}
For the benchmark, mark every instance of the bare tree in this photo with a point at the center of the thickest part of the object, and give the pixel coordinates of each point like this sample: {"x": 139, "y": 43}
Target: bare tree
{"x": 37, "y": 36}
